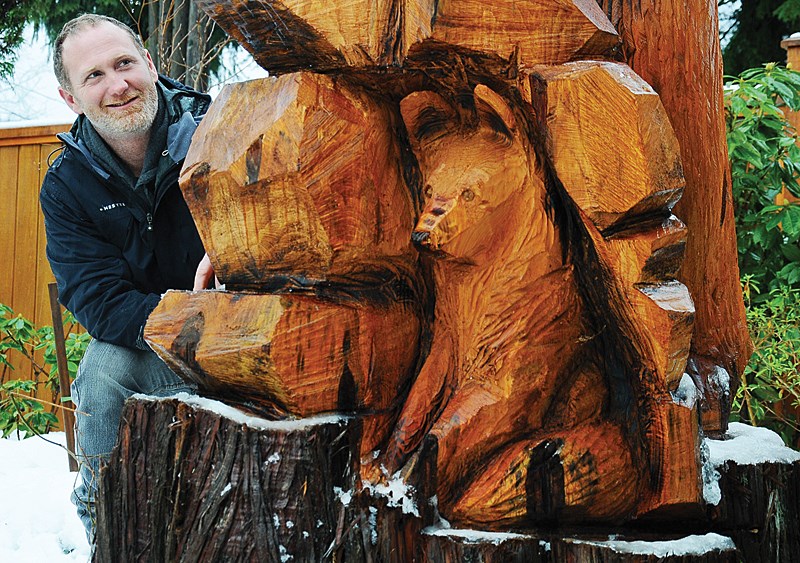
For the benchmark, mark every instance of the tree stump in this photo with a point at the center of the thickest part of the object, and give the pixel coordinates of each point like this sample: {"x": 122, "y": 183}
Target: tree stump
{"x": 195, "y": 480}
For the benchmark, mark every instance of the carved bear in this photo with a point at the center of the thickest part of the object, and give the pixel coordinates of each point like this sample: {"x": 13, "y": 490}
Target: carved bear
{"x": 509, "y": 370}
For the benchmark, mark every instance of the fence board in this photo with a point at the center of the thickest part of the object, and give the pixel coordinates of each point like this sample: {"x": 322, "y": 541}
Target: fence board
{"x": 9, "y": 170}
{"x": 26, "y": 272}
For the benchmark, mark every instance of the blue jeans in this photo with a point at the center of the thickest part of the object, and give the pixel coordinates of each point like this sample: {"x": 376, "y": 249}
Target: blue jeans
{"x": 107, "y": 375}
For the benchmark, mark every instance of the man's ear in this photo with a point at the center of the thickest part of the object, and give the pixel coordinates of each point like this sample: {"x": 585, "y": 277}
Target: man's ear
{"x": 427, "y": 117}
{"x": 70, "y": 99}
{"x": 151, "y": 66}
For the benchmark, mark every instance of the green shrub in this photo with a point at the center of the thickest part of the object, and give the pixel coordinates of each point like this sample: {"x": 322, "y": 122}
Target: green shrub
{"x": 765, "y": 160}
{"x": 769, "y": 391}
{"x": 20, "y": 411}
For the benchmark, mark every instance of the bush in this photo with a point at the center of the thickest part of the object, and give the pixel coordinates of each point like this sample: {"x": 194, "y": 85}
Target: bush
{"x": 769, "y": 392}
{"x": 20, "y": 411}
{"x": 765, "y": 160}
{"x": 765, "y": 165}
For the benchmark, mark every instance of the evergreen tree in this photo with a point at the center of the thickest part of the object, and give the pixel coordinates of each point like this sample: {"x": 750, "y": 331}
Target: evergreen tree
{"x": 755, "y": 32}
{"x": 183, "y": 42}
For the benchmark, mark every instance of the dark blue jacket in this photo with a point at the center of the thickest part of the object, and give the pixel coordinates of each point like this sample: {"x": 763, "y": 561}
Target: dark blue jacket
{"x": 113, "y": 254}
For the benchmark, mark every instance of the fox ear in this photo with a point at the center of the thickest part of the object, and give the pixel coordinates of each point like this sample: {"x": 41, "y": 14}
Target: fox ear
{"x": 427, "y": 117}
{"x": 494, "y": 112}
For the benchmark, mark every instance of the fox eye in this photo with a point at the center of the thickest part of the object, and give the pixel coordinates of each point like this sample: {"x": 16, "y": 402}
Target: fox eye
{"x": 468, "y": 195}
{"x": 428, "y": 191}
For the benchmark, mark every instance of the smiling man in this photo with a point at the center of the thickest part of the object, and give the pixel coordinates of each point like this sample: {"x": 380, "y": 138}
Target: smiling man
{"x": 119, "y": 233}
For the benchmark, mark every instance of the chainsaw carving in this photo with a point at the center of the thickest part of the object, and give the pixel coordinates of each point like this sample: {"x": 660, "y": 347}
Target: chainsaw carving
{"x": 462, "y": 234}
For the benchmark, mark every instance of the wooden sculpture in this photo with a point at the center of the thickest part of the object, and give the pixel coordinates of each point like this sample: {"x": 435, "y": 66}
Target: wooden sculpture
{"x": 453, "y": 221}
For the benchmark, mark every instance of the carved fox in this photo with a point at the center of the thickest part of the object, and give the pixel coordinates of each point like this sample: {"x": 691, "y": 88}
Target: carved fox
{"x": 503, "y": 373}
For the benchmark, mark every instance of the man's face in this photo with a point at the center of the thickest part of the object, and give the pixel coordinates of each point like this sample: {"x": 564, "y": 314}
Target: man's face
{"x": 111, "y": 82}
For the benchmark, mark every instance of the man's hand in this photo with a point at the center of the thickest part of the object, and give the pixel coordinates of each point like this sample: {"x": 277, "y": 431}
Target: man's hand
{"x": 204, "y": 273}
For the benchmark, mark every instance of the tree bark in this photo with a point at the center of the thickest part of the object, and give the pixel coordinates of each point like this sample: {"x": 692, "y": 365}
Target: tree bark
{"x": 674, "y": 46}
{"x": 186, "y": 483}
{"x": 195, "y": 480}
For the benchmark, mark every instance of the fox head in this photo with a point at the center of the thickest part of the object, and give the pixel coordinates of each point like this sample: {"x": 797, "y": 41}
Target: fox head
{"x": 469, "y": 173}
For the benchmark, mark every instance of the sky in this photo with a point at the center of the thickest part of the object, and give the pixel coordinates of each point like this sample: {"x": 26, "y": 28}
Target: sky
{"x": 31, "y": 95}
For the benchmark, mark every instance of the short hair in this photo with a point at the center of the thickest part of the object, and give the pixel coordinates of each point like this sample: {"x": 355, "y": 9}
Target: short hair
{"x": 77, "y": 24}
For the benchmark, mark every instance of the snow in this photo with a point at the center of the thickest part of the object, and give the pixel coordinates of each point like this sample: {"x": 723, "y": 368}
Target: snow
{"x": 397, "y": 493}
{"x": 744, "y": 445}
{"x": 690, "y": 545}
{"x": 474, "y": 536}
{"x": 239, "y": 417}
{"x": 750, "y": 445}
{"x": 686, "y": 393}
{"x": 345, "y": 497}
{"x": 38, "y": 522}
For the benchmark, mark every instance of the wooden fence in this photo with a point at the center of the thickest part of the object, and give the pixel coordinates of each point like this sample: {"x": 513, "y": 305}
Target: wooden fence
{"x": 24, "y": 270}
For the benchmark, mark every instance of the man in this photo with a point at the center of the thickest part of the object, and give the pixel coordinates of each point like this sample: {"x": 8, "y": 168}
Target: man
{"x": 119, "y": 233}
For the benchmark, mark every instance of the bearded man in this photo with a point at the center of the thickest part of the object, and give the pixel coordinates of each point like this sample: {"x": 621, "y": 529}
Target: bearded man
{"x": 119, "y": 233}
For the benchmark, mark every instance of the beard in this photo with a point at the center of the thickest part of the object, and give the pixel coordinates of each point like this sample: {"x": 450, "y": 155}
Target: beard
{"x": 137, "y": 119}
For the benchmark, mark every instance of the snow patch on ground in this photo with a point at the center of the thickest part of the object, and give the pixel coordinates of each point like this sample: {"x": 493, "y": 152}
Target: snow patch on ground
{"x": 38, "y": 522}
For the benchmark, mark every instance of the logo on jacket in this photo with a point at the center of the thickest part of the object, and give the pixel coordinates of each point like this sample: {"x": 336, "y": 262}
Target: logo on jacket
{"x": 111, "y": 206}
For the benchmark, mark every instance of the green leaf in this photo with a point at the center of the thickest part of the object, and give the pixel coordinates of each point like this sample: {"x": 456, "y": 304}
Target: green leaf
{"x": 791, "y": 221}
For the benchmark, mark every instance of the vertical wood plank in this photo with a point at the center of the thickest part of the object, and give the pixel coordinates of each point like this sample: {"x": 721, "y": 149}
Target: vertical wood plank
{"x": 26, "y": 227}
{"x": 9, "y": 170}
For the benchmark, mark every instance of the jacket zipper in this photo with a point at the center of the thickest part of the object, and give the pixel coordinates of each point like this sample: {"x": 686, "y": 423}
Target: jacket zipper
{"x": 149, "y": 221}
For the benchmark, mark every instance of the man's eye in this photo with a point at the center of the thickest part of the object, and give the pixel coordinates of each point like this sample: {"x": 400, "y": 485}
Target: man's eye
{"x": 125, "y": 62}
{"x": 92, "y": 75}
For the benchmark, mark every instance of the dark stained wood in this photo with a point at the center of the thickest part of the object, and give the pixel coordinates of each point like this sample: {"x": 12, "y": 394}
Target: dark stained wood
{"x": 674, "y": 46}
{"x": 186, "y": 484}
{"x": 759, "y": 509}
{"x": 291, "y": 35}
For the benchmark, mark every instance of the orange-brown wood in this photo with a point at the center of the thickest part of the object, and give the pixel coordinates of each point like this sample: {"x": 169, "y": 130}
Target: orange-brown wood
{"x": 512, "y": 345}
{"x": 674, "y": 46}
{"x": 551, "y": 376}
{"x": 290, "y": 35}
{"x": 307, "y": 188}
{"x": 297, "y": 354}
{"x": 24, "y": 155}
{"x": 625, "y": 175}
{"x": 611, "y": 142}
